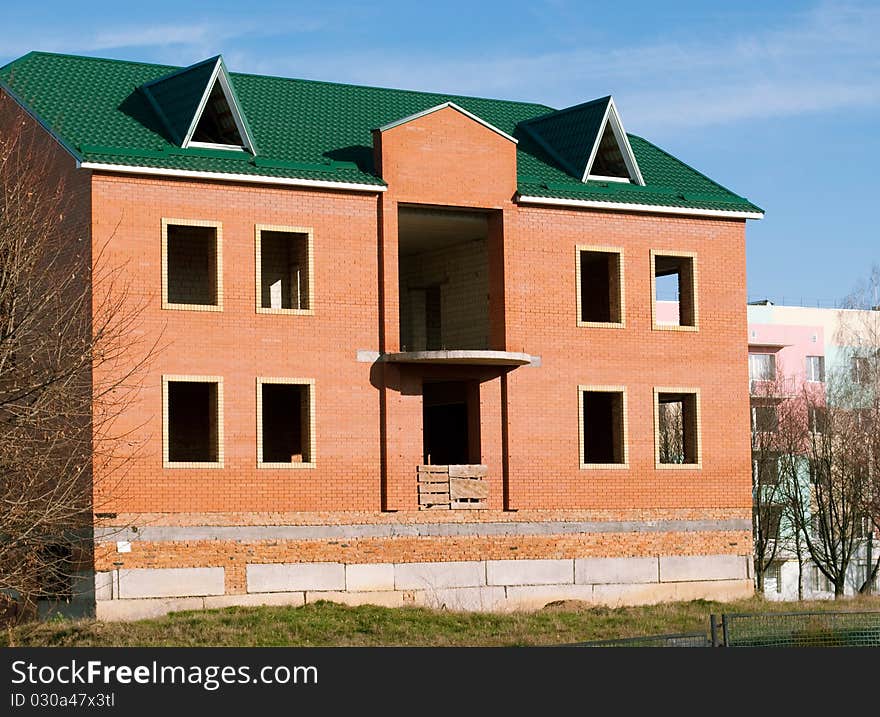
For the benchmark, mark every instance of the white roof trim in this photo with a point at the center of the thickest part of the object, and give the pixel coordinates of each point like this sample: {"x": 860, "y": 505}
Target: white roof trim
{"x": 218, "y": 75}
{"x": 442, "y": 106}
{"x": 629, "y": 159}
{"x": 224, "y": 177}
{"x": 214, "y": 145}
{"x": 602, "y": 178}
{"x": 646, "y": 208}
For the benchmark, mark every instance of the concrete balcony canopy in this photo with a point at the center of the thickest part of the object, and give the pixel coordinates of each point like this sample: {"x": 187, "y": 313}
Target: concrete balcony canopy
{"x": 471, "y": 357}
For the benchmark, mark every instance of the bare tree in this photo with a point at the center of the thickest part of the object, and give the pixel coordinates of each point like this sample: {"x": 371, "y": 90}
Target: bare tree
{"x": 671, "y": 433}
{"x": 68, "y": 366}
{"x": 859, "y": 334}
{"x": 826, "y": 481}
{"x": 768, "y": 491}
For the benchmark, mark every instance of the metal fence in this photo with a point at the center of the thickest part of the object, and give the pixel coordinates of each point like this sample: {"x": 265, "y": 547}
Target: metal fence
{"x": 690, "y": 639}
{"x": 802, "y": 629}
{"x": 778, "y": 629}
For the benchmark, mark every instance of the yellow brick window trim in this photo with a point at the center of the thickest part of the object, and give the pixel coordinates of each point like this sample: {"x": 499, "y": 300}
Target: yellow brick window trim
{"x": 258, "y": 251}
{"x": 218, "y": 238}
{"x": 312, "y": 435}
{"x": 621, "y": 290}
{"x": 694, "y": 285}
{"x": 698, "y": 428}
{"x": 187, "y": 378}
{"x": 584, "y": 388}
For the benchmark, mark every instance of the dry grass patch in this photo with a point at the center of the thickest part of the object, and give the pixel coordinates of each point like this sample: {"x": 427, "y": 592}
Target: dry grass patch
{"x": 330, "y": 624}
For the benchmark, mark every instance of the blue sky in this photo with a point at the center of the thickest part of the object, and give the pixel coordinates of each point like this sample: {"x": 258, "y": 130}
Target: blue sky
{"x": 778, "y": 101}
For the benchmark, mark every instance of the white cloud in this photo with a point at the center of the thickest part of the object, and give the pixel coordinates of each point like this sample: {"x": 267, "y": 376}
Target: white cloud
{"x": 823, "y": 59}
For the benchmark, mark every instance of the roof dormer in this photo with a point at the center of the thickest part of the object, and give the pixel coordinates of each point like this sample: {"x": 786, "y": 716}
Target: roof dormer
{"x": 588, "y": 141}
{"x": 199, "y": 108}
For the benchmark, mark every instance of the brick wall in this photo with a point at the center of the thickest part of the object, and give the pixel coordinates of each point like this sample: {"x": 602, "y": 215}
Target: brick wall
{"x": 240, "y": 345}
{"x": 462, "y": 273}
{"x": 541, "y": 310}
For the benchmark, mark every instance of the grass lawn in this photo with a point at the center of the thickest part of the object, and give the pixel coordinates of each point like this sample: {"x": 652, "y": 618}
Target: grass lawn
{"x": 329, "y": 624}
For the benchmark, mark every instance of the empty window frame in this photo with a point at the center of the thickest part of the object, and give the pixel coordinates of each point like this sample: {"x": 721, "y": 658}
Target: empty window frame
{"x": 765, "y": 471}
{"x": 674, "y": 280}
{"x": 285, "y": 423}
{"x": 762, "y": 367}
{"x": 192, "y": 265}
{"x": 599, "y": 278}
{"x": 602, "y": 426}
{"x": 773, "y": 578}
{"x": 821, "y": 583}
{"x": 817, "y": 417}
{"x": 765, "y": 418}
{"x": 677, "y": 434}
{"x": 816, "y": 368}
{"x": 192, "y": 421}
{"x": 284, "y": 270}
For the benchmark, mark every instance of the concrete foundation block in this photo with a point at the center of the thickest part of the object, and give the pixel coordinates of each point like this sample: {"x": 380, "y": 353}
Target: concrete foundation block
{"x": 290, "y": 577}
{"x": 382, "y": 598}
{"x": 696, "y": 568}
{"x": 369, "y": 577}
{"x": 87, "y": 585}
{"x": 170, "y": 582}
{"x": 534, "y": 597}
{"x": 103, "y": 586}
{"x": 603, "y": 571}
{"x": 529, "y": 572}
{"x": 625, "y": 595}
{"x": 428, "y": 576}
{"x": 124, "y": 610}
{"x": 296, "y": 599}
{"x": 481, "y": 599}
{"x": 721, "y": 590}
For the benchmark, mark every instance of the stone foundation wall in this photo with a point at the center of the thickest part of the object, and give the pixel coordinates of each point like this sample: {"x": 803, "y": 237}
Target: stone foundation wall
{"x": 496, "y": 566}
{"x": 488, "y": 585}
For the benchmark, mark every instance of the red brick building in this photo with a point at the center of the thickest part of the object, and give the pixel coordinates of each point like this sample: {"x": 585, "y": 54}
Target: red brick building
{"x": 411, "y": 352}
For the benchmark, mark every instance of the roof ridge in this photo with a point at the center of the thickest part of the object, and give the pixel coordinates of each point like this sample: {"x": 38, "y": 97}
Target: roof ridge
{"x": 181, "y": 70}
{"x": 174, "y": 68}
{"x": 18, "y": 59}
{"x": 93, "y": 57}
{"x": 565, "y": 110}
{"x": 394, "y": 89}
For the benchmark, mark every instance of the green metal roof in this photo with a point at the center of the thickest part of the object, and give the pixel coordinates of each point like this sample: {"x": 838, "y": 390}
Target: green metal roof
{"x": 175, "y": 97}
{"x": 569, "y": 134}
{"x": 305, "y": 129}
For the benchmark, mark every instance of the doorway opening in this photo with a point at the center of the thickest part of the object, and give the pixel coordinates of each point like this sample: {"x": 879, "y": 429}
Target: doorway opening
{"x": 451, "y": 422}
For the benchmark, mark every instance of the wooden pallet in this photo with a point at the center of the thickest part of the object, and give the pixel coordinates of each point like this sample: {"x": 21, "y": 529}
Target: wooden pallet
{"x": 454, "y": 487}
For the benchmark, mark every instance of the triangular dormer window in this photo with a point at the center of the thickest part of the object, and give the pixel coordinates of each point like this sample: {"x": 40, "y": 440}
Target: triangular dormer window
{"x": 217, "y": 124}
{"x": 609, "y": 163}
{"x": 588, "y": 141}
{"x": 612, "y": 158}
{"x": 199, "y": 107}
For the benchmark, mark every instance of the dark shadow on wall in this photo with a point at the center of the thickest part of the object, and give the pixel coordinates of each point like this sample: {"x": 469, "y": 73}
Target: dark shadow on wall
{"x": 358, "y": 154}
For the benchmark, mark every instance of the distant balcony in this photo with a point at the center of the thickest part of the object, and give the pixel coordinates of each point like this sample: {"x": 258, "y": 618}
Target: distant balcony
{"x": 779, "y": 388}
{"x": 462, "y": 357}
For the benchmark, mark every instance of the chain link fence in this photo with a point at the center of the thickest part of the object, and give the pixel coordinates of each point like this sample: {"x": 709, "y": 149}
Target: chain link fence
{"x": 690, "y": 639}
{"x": 780, "y": 629}
{"x": 802, "y": 629}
